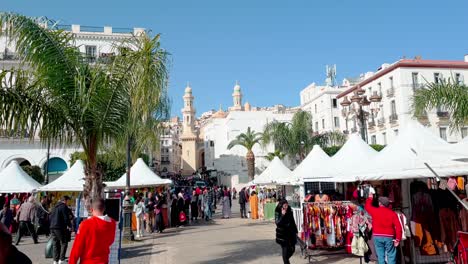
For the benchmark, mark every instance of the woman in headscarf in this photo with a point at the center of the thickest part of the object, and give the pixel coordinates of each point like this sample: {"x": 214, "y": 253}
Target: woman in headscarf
{"x": 159, "y": 214}
{"x": 254, "y": 205}
{"x": 181, "y": 209}
{"x": 226, "y": 203}
{"x": 194, "y": 206}
{"x": 286, "y": 230}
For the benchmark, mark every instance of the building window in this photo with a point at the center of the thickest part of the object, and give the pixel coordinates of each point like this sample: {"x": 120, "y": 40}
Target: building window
{"x": 316, "y": 126}
{"x": 323, "y": 123}
{"x": 415, "y": 79}
{"x": 443, "y": 133}
{"x": 315, "y": 108}
{"x": 335, "y": 103}
{"x": 391, "y": 82}
{"x": 464, "y": 132}
{"x": 379, "y": 86}
{"x": 393, "y": 106}
{"x": 337, "y": 121}
{"x": 373, "y": 140}
{"x": 384, "y": 137}
{"x": 458, "y": 78}
{"x": 211, "y": 143}
{"x": 396, "y": 132}
{"x": 437, "y": 78}
{"x": 90, "y": 53}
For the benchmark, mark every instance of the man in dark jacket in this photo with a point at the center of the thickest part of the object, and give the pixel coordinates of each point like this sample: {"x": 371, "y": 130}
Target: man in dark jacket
{"x": 8, "y": 252}
{"x": 242, "y": 202}
{"x": 60, "y": 226}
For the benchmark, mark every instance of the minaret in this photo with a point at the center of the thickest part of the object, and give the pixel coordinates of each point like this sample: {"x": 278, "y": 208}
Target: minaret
{"x": 237, "y": 98}
{"x": 188, "y": 112}
{"x": 189, "y": 135}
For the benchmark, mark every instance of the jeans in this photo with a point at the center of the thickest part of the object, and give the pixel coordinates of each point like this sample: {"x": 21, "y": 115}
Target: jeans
{"x": 288, "y": 251}
{"x": 23, "y": 226}
{"x": 60, "y": 243}
{"x": 150, "y": 222}
{"x": 384, "y": 248}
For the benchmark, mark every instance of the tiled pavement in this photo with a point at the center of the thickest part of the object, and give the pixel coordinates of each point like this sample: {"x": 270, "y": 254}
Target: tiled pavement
{"x": 232, "y": 240}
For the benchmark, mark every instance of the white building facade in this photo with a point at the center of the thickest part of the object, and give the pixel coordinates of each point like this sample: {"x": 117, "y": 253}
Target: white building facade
{"x": 97, "y": 43}
{"x": 396, "y": 84}
{"x": 171, "y": 148}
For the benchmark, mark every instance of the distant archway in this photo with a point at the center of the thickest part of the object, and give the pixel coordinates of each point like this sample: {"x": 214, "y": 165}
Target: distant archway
{"x": 55, "y": 166}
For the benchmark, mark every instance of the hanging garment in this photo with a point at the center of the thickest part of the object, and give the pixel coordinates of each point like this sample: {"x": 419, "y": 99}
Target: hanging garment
{"x": 461, "y": 183}
{"x": 359, "y": 246}
{"x": 452, "y": 183}
{"x": 423, "y": 239}
{"x": 449, "y": 228}
{"x": 464, "y": 219}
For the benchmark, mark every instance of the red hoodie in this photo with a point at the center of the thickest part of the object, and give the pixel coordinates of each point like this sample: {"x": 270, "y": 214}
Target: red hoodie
{"x": 385, "y": 222}
{"x": 93, "y": 240}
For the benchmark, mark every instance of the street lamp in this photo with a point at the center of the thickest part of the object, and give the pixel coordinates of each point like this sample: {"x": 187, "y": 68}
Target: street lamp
{"x": 357, "y": 106}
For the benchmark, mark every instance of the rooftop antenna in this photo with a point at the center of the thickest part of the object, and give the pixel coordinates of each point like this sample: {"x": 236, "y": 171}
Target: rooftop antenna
{"x": 331, "y": 75}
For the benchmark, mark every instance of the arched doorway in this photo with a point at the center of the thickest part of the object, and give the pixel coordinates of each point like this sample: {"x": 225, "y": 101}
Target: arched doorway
{"x": 21, "y": 162}
{"x": 56, "y": 167}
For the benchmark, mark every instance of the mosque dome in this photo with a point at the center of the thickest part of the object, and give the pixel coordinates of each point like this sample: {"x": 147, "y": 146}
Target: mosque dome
{"x": 247, "y": 107}
{"x": 188, "y": 89}
{"x": 237, "y": 88}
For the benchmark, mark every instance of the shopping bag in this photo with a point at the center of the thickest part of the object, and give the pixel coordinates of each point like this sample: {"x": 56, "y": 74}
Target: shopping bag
{"x": 49, "y": 249}
{"x": 182, "y": 217}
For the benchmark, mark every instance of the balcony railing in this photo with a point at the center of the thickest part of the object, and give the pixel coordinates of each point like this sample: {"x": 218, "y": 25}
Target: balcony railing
{"x": 442, "y": 114}
{"x": 391, "y": 92}
{"x": 381, "y": 122}
{"x": 8, "y": 56}
{"x": 393, "y": 118}
{"x": 417, "y": 86}
{"x": 371, "y": 124}
{"x": 353, "y": 130}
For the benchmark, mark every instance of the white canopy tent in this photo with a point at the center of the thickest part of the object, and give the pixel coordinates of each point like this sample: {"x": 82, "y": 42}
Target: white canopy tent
{"x": 71, "y": 181}
{"x": 140, "y": 176}
{"x": 13, "y": 179}
{"x": 399, "y": 160}
{"x": 314, "y": 168}
{"x": 275, "y": 173}
{"x": 352, "y": 153}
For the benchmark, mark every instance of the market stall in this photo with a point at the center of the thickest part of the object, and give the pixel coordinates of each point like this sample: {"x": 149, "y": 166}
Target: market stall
{"x": 142, "y": 179}
{"x": 275, "y": 174}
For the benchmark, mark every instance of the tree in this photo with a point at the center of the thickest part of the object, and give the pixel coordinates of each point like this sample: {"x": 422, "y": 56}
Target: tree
{"x": 63, "y": 98}
{"x": 248, "y": 140}
{"x": 448, "y": 94}
{"x": 271, "y": 155}
{"x": 35, "y": 172}
{"x": 297, "y": 138}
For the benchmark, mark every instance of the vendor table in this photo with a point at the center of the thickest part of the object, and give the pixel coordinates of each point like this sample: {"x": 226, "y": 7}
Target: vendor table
{"x": 270, "y": 211}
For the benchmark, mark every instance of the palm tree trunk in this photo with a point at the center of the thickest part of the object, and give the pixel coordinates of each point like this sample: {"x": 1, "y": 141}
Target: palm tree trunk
{"x": 250, "y": 157}
{"x": 93, "y": 182}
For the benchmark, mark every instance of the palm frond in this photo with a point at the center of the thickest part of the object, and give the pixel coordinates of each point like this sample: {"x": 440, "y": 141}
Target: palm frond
{"x": 447, "y": 94}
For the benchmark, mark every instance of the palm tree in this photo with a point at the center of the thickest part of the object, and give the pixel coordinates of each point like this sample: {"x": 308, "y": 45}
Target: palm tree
{"x": 449, "y": 94}
{"x": 248, "y": 140}
{"x": 60, "y": 96}
{"x": 271, "y": 155}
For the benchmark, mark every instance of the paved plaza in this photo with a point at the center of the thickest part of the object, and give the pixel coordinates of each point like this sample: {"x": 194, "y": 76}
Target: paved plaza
{"x": 232, "y": 240}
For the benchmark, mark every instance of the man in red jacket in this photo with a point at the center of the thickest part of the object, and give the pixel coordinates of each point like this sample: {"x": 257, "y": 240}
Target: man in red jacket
{"x": 94, "y": 237}
{"x": 386, "y": 229}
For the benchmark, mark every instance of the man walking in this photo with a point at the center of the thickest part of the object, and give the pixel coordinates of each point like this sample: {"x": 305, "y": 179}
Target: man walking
{"x": 242, "y": 201}
{"x": 94, "y": 237}
{"x": 26, "y": 217}
{"x": 387, "y": 229}
{"x": 60, "y": 224}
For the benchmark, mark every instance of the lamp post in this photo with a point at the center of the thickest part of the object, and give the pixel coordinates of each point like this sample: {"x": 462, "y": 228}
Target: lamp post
{"x": 357, "y": 106}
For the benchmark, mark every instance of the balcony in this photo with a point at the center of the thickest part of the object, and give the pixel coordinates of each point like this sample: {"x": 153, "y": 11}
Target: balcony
{"x": 417, "y": 86}
{"x": 371, "y": 124}
{"x": 8, "y": 56}
{"x": 393, "y": 118}
{"x": 354, "y": 130}
{"x": 381, "y": 122}
{"x": 443, "y": 114}
{"x": 391, "y": 92}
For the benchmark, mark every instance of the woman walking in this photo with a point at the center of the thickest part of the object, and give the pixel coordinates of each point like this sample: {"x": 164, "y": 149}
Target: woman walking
{"x": 139, "y": 209}
{"x": 181, "y": 208}
{"x": 286, "y": 230}
{"x": 159, "y": 215}
{"x": 174, "y": 212}
{"x": 226, "y": 203}
{"x": 194, "y": 206}
{"x": 254, "y": 205}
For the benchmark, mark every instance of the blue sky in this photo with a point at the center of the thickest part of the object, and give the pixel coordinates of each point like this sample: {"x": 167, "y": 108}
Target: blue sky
{"x": 274, "y": 48}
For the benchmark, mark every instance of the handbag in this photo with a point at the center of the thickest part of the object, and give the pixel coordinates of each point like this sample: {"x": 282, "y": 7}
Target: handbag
{"x": 182, "y": 217}
{"x": 49, "y": 249}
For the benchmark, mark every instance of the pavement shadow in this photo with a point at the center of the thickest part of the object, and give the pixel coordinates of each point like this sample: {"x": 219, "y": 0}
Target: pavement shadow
{"x": 246, "y": 251}
{"x": 138, "y": 250}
